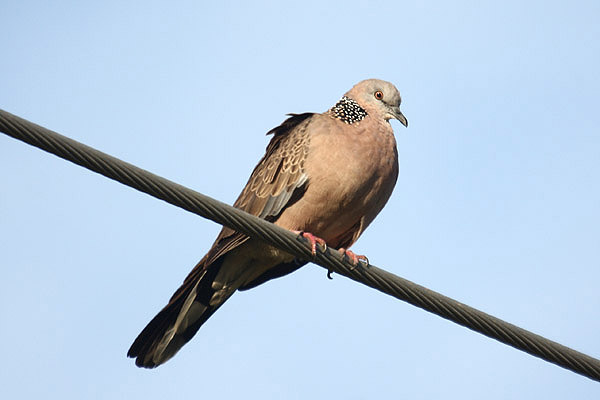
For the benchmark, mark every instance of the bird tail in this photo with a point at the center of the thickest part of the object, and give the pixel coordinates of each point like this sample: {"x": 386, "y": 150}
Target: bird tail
{"x": 191, "y": 305}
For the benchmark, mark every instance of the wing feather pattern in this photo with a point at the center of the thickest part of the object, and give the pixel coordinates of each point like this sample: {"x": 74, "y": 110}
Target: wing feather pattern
{"x": 278, "y": 175}
{"x": 278, "y": 181}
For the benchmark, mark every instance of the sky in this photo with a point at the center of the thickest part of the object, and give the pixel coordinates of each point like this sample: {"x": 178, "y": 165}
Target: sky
{"x": 497, "y": 204}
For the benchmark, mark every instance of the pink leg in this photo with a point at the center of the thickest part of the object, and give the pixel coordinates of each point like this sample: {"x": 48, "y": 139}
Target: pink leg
{"x": 313, "y": 241}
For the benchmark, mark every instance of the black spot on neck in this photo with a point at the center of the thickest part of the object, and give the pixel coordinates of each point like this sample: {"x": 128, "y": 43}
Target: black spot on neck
{"x": 348, "y": 111}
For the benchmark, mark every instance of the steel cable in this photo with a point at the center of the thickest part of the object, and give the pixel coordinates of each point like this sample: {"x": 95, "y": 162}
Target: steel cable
{"x": 371, "y": 276}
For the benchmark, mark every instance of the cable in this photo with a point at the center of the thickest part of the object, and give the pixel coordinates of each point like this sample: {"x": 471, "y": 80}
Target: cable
{"x": 371, "y": 276}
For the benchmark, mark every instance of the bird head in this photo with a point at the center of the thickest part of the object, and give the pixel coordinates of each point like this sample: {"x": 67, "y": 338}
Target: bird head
{"x": 378, "y": 97}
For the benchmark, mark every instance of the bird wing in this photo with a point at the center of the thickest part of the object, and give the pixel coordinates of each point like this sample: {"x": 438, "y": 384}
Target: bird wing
{"x": 277, "y": 182}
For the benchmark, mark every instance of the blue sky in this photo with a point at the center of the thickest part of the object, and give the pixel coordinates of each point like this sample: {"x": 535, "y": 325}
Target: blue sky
{"x": 497, "y": 204}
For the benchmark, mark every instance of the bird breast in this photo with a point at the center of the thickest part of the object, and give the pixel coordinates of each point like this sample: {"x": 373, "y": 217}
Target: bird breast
{"x": 352, "y": 170}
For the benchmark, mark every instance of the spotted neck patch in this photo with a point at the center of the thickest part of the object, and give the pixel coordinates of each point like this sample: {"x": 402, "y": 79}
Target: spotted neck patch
{"x": 348, "y": 111}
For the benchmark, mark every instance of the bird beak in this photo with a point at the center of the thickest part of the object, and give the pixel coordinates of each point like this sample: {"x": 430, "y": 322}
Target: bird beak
{"x": 399, "y": 116}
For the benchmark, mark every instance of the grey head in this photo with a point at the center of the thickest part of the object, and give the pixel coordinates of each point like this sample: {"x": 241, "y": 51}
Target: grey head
{"x": 379, "y": 99}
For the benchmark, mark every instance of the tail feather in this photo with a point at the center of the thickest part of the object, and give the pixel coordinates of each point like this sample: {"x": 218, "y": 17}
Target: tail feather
{"x": 179, "y": 320}
{"x": 214, "y": 279}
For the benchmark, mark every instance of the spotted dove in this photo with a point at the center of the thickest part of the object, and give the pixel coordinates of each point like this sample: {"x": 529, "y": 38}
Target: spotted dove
{"x": 329, "y": 174}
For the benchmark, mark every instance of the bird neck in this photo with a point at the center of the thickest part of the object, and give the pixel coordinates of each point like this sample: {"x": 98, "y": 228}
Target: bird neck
{"x": 348, "y": 111}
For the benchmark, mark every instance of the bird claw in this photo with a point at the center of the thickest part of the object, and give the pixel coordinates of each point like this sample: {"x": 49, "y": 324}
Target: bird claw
{"x": 354, "y": 258}
{"x": 313, "y": 240}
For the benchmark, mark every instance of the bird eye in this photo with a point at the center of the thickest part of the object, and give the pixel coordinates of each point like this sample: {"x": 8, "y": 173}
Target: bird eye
{"x": 379, "y": 95}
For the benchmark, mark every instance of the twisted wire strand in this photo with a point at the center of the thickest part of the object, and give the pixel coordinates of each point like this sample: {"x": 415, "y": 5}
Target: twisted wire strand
{"x": 371, "y": 276}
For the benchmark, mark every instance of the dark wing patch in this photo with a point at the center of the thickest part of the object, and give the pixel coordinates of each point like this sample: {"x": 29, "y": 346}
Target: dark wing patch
{"x": 278, "y": 180}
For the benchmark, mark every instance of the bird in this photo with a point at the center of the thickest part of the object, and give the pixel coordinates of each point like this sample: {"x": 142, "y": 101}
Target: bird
{"x": 324, "y": 176}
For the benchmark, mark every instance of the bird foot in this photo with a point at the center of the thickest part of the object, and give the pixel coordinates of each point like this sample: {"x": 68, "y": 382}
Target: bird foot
{"x": 354, "y": 258}
{"x": 313, "y": 241}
